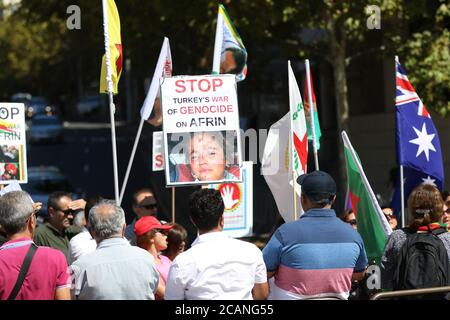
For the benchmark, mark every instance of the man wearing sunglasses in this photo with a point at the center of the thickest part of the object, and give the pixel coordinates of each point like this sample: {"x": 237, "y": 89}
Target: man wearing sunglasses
{"x": 144, "y": 204}
{"x": 53, "y": 233}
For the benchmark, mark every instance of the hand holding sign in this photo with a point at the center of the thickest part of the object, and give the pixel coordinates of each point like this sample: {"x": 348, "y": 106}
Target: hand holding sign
{"x": 227, "y": 196}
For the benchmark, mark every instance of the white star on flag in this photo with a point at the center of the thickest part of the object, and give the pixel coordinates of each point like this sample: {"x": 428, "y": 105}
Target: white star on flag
{"x": 428, "y": 180}
{"x": 423, "y": 140}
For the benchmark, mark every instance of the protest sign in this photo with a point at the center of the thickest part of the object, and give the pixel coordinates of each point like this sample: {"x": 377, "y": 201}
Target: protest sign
{"x": 13, "y": 160}
{"x": 238, "y": 200}
{"x": 201, "y": 129}
{"x": 158, "y": 151}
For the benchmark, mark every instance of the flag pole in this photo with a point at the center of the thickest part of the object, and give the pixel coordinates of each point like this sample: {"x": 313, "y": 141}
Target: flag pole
{"x": 402, "y": 187}
{"x": 295, "y": 195}
{"x": 111, "y": 102}
{"x": 173, "y": 204}
{"x": 130, "y": 162}
{"x": 373, "y": 198}
{"x": 291, "y": 156}
{"x": 311, "y": 113}
{"x": 218, "y": 43}
{"x": 402, "y": 197}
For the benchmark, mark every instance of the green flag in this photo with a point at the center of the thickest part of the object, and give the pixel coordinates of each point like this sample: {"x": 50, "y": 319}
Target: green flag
{"x": 372, "y": 224}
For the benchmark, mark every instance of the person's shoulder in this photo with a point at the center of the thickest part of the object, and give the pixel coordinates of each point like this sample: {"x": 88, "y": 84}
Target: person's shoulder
{"x": 399, "y": 234}
{"x": 82, "y": 236}
{"x": 41, "y": 229}
{"x": 445, "y": 236}
{"x": 51, "y": 254}
{"x": 139, "y": 253}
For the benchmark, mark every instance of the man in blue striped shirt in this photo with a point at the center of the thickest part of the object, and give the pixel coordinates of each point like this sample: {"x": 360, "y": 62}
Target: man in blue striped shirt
{"x": 318, "y": 255}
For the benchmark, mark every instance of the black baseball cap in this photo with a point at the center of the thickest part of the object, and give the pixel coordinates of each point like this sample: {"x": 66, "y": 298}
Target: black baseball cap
{"x": 318, "y": 186}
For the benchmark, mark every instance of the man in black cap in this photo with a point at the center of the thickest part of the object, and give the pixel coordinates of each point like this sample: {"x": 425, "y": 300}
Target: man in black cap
{"x": 318, "y": 255}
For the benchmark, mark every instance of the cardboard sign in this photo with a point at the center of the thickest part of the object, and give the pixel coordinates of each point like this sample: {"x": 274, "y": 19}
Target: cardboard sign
{"x": 13, "y": 159}
{"x": 201, "y": 130}
{"x": 238, "y": 200}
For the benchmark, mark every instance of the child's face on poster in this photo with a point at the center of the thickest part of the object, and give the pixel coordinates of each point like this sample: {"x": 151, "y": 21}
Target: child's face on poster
{"x": 207, "y": 159}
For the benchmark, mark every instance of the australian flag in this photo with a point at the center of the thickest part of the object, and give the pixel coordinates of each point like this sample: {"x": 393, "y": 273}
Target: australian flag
{"x": 418, "y": 146}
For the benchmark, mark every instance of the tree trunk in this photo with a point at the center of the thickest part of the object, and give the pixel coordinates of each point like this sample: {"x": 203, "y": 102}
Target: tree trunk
{"x": 340, "y": 89}
{"x": 337, "y": 58}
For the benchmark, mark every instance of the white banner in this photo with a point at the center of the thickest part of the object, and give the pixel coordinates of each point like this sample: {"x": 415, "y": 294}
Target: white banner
{"x": 201, "y": 129}
{"x": 158, "y": 151}
{"x": 13, "y": 155}
{"x": 163, "y": 69}
{"x": 238, "y": 200}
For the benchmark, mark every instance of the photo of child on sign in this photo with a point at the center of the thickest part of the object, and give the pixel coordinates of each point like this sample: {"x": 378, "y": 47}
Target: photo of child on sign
{"x": 204, "y": 157}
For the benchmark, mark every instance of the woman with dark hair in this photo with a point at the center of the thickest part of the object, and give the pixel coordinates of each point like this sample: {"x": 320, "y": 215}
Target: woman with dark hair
{"x": 425, "y": 208}
{"x": 176, "y": 241}
{"x": 151, "y": 236}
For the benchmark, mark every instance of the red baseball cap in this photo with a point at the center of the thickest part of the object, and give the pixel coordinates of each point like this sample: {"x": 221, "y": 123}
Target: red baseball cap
{"x": 147, "y": 223}
{"x": 11, "y": 167}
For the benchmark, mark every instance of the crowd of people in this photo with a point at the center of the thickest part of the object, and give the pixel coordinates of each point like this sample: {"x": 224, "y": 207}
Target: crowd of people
{"x": 318, "y": 256}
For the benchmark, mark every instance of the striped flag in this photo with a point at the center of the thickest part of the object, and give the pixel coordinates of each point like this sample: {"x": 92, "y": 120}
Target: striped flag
{"x": 115, "y": 49}
{"x": 299, "y": 133}
{"x": 317, "y": 130}
{"x": 230, "y": 55}
{"x": 372, "y": 223}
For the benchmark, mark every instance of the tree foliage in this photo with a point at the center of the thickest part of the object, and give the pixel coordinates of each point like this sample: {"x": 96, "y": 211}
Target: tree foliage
{"x": 39, "y": 54}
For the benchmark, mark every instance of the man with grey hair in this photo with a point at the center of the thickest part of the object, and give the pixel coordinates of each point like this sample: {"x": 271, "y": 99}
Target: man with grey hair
{"x": 28, "y": 272}
{"x": 115, "y": 270}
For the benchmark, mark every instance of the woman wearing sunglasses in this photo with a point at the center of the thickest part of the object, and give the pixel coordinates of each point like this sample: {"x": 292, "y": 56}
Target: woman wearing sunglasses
{"x": 151, "y": 236}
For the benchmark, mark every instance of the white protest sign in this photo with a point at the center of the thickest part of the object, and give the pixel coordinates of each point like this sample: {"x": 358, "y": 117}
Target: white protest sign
{"x": 201, "y": 129}
{"x": 13, "y": 159}
{"x": 158, "y": 151}
{"x": 238, "y": 200}
{"x": 13, "y": 186}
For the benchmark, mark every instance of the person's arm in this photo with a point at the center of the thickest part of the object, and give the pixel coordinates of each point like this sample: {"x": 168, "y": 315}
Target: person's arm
{"x": 272, "y": 254}
{"x": 260, "y": 291}
{"x": 62, "y": 294}
{"x": 161, "y": 289}
{"x": 361, "y": 263}
{"x": 76, "y": 205}
{"x": 175, "y": 285}
{"x": 358, "y": 276}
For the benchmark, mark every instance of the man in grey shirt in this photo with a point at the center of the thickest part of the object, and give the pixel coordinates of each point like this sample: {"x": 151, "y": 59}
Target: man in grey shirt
{"x": 115, "y": 270}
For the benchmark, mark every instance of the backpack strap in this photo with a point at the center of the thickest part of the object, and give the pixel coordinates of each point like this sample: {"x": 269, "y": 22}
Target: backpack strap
{"x": 439, "y": 231}
{"x": 23, "y": 271}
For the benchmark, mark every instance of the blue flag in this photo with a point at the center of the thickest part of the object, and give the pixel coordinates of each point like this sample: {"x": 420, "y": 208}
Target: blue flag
{"x": 418, "y": 146}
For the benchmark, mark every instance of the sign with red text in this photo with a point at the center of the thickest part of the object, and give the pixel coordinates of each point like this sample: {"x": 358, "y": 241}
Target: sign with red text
{"x": 238, "y": 201}
{"x": 158, "y": 151}
{"x": 13, "y": 156}
{"x": 201, "y": 129}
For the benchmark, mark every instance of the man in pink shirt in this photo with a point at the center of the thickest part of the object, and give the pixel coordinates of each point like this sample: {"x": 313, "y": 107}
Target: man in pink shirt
{"x": 47, "y": 277}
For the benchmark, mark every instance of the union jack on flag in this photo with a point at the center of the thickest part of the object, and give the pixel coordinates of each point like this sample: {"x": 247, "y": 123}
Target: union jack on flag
{"x": 418, "y": 146}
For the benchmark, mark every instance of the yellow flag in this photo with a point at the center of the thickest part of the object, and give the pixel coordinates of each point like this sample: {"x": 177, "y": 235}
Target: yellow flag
{"x": 115, "y": 49}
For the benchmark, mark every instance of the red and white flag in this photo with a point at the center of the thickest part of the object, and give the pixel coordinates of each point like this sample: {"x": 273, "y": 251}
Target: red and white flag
{"x": 299, "y": 132}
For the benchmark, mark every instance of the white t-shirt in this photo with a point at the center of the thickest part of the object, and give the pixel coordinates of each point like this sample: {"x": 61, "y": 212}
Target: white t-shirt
{"x": 216, "y": 267}
{"x": 81, "y": 244}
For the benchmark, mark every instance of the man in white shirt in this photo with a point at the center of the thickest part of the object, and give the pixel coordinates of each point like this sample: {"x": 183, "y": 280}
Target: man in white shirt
{"x": 83, "y": 242}
{"x": 216, "y": 266}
